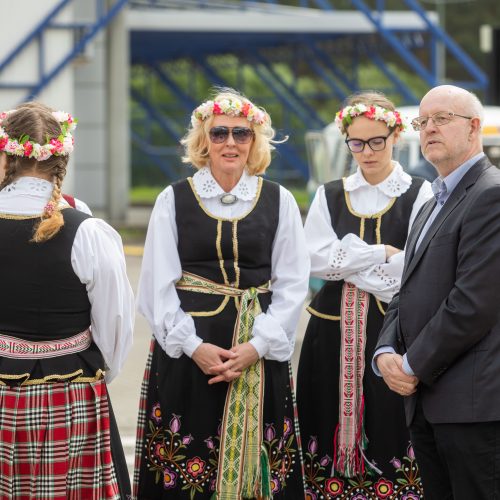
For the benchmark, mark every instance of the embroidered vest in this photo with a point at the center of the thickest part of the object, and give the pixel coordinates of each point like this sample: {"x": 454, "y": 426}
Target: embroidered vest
{"x": 388, "y": 228}
{"x": 232, "y": 251}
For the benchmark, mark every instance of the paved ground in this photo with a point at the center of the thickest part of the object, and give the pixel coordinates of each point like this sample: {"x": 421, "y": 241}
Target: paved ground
{"x": 126, "y": 387}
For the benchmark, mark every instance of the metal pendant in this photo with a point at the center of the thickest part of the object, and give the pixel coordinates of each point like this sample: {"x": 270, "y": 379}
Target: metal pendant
{"x": 228, "y": 199}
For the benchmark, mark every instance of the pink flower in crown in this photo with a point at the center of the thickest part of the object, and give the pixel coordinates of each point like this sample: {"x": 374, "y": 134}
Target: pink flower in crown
{"x": 28, "y": 148}
{"x": 217, "y": 109}
{"x": 13, "y": 147}
{"x": 57, "y": 146}
{"x": 44, "y": 152}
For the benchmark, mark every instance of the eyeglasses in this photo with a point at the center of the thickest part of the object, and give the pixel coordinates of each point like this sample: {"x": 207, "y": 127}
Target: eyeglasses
{"x": 241, "y": 135}
{"x": 375, "y": 143}
{"x": 439, "y": 118}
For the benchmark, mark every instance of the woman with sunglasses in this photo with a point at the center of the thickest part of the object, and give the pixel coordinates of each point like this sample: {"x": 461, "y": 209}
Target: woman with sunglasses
{"x": 217, "y": 411}
{"x": 352, "y": 427}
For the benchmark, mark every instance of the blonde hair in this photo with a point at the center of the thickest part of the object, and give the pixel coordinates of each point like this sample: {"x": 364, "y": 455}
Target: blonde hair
{"x": 36, "y": 120}
{"x": 369, "y": 98}
{"x": 196, "y": 142}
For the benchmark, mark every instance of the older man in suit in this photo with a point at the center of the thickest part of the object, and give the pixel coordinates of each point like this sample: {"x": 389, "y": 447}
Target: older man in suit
{"x": 440, "y": 344}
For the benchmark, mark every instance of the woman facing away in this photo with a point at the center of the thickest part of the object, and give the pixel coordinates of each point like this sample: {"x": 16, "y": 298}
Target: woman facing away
{"x": 224, "y": 277}
{"x": 357, "y": 441}
{"x": 65, "y": 324}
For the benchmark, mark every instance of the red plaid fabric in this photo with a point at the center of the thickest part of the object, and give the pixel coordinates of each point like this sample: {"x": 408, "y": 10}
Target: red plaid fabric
{"x": 55, "y": 442}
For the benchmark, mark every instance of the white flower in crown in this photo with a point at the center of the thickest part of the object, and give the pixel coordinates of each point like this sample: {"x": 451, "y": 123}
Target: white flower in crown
{"x": 68, "y": 143}
{"x": 229, "y": 107}
{"x": 344, "y": 117}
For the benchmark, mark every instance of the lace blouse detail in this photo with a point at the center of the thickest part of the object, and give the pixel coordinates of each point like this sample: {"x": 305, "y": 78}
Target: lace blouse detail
{"x": 396, "y": 184}
{"x": 30, "y": 185}
{"x": 207, "y": 187}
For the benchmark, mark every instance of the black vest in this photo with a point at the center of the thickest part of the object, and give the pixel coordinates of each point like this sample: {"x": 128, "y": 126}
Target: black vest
{"x": 41, "y": 296}
{"x": 241, "y": 246}
{"x": 393, "y": 231}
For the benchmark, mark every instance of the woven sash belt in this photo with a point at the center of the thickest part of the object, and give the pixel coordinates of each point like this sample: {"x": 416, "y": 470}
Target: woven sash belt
{"x": 13, "y": 347}
{"x": 243, "y": 463}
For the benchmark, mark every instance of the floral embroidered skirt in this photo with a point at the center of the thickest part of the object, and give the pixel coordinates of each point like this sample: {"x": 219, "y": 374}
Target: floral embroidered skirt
{"x": 388, "y": 448}
{"x": 179, "y": 430}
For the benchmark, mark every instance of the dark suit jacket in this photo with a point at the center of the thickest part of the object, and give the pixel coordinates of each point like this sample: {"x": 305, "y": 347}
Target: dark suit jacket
{"x": 446, "y": 315}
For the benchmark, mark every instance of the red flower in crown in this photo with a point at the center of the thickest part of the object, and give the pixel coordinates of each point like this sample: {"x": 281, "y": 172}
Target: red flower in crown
{"x": 28, "y": 148}
{"x": 245, "y": 109}
{"x": 370, "y": 113}
{"x": 3, "y": 142}
{"x": 217, "y": 109}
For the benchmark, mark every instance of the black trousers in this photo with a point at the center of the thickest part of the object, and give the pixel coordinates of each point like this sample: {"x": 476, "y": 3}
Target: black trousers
{"x": 457, "y": 461}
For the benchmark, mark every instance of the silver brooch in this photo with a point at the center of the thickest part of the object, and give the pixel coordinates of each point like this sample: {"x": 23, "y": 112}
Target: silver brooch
{"x": 228, "y": 199}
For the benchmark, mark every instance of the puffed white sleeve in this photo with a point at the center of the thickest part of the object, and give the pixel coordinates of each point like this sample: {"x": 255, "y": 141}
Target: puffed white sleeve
{"x": 333, "y": 258}
{"x": 274, "y": 331}
{"x": 157, "y": 297}
{"x": 98, "y": 260}
{"x": 384, "y": 280}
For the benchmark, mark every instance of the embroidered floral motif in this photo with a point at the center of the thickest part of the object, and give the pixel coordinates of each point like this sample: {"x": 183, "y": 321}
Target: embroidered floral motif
{"x": 388, "y": 280}
{"x": 167, "y": 455}
{"x": 396, "y": 184}
{"x": 206, "y": 186}
{"x": 366, "y": 487}
{"x": 338, "y": 258}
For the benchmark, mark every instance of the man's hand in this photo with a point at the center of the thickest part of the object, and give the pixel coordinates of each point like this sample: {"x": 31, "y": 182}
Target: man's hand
{"x": 245, "y": 356}
{"x": 207, "y": 355}
{"x": 390, "y": 366}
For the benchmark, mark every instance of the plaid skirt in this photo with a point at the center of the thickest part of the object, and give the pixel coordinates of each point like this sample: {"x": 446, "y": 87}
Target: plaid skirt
{"x": 55, "y": 442}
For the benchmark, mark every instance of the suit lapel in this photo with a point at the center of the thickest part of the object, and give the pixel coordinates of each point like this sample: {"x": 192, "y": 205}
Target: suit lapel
{"x": 453, "y": 201}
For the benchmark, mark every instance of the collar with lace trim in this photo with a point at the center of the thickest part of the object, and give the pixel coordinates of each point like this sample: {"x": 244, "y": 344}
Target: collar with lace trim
{"x": 394, "y": 185}
{"x": 29, "y": 185}
{"x": 207, "y": 187}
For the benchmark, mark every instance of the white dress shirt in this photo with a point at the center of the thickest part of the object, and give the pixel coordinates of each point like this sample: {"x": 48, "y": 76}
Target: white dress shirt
{"x": 274, "y": 330}
{"x": 97, "y": 259}
{"x": 350, "y": 258}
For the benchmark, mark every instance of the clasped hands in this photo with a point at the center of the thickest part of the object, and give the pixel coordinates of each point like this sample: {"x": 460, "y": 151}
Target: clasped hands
{"x": 390, "y": 366}
{"x": 225, "y": 365}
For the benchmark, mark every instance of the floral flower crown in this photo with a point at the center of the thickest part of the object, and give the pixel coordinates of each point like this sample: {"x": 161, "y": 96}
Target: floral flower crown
{"x": 230, "y": 107}
{"x": 344, "y": 117}
{"x": 24, "y": 146}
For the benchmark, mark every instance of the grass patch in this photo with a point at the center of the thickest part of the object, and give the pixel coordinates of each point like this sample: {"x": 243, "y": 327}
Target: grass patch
{"x": 146, "y": 195}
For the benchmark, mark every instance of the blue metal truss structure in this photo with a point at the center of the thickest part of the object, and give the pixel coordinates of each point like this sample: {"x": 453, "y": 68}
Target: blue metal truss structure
{"x": 84, "y": 32}
{"x": 299, "y": 76}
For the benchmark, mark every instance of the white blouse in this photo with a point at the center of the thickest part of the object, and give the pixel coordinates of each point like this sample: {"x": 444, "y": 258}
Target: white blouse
{"x": 98, "y": 261}
{"x": 274, "y": 330}
{"x": 350, "y": 258}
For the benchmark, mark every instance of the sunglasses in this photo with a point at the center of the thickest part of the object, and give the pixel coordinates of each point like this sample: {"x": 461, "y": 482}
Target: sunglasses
{"x": 241, "y": 135}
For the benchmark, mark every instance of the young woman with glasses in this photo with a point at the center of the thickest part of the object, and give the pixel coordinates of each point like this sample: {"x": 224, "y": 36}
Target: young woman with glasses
{"x": 353, "y": 428}
{"x": 217, "y": 416}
